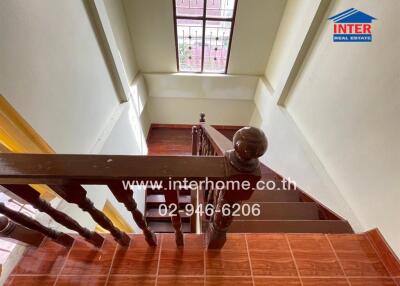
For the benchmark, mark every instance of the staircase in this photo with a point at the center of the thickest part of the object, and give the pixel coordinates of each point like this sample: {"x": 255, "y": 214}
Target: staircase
{"x": 294, "y": 241}
{"x": 159, "y": 223}
{"x": 286, "y": 211}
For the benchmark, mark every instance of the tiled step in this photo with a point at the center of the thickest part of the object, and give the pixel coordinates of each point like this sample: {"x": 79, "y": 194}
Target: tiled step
{"x": 158, "y": 226}
{"x": 161, "y": 192}
{"x": 290, "y": 226}
{"x": 284, "y": 211}
{"x": 269, "y": 259}
{"x": 155, "y": 200}
{"x": 275, "y": 196}
{"x": 153, "y": 214}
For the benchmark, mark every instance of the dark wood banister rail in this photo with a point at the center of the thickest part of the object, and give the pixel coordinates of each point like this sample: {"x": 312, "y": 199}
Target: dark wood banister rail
{"x": 217, "y": 160}
{"x": 242, "y": 155}
{"x": 54, "y": 169}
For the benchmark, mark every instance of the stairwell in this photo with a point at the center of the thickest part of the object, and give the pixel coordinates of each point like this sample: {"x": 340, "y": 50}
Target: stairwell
{"x": 304, "y": 243}
{"x": 282, "y": 210}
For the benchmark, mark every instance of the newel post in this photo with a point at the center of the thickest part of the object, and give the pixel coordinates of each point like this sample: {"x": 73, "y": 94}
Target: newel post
{"x": 202, "y": 117}
{"x": 249, "y": 143}
{"x": 200, "y": 134}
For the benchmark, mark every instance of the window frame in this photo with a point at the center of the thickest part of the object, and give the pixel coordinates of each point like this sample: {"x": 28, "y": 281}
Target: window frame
{"x": 204, "y": 18}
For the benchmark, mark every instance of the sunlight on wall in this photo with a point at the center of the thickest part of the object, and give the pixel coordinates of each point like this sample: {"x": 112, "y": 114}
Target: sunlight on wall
{"x": 136, "y": 107}
{"x": 134, "y": 121}
{"x": 137, "y": 101}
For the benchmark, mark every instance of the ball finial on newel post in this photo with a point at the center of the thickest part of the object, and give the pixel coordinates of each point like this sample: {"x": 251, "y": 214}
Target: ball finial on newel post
{"x": 202, "y": 117}
{"x": 249, "y": 144}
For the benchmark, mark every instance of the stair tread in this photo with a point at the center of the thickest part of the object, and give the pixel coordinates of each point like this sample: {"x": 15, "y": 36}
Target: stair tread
{"x": 183, "y": 199}
{"x": 153, "y": 213}
{"x": 161, "y": 192}
{"x": 158, "y": 226}
{"x": 290, "y": 226}
{"x": 275, "y": 196}
{"x": 284, "y": 211}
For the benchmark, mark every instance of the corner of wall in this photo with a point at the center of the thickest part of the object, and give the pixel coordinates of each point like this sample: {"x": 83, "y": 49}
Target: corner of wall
{"x": 290, "y": 155}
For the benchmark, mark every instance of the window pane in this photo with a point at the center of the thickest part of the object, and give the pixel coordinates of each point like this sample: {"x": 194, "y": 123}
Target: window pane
{"x": 220, "y": 8}
{"x": 216, "y": 45}
{"x": 190, "y": 39}
{"x": 192, "y": 8}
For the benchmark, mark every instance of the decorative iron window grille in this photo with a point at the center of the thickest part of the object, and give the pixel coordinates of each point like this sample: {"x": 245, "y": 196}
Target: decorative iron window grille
{"x": 203, "y": 34}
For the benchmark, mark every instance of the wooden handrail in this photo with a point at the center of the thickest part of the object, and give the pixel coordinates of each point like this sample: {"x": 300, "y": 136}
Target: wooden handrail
{"x": 217, "y": 160}
{"x": 220, "y": 143}
{"x": 242, "y": 155}
{"x": 104, "y": 169}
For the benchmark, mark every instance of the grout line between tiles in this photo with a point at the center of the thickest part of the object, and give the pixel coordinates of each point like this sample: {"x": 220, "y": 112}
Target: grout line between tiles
{"x": 205, "y": 265}
{"x": 65, "y": 262}
{"x": 112, "y": 261}
{"x": 159, "y": 259}
{"x": 189, "y": 275}
{"x": 294, "y": 260}
{"x": 248, "y": 256}
{"x": 337, "y": 258}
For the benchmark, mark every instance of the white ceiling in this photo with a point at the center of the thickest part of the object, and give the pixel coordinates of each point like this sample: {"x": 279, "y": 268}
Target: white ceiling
{"x": 152, "y": 30}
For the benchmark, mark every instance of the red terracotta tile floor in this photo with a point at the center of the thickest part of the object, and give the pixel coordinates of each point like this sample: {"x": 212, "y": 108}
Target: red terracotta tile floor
{"x": 246, "y": 259}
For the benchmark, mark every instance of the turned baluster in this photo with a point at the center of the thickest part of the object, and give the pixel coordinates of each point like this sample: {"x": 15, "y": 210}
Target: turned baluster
{"x": 10, "y": 230}
{"x": 249, "y": 144}
{"x": 219, "y": 223}
{"x": 172, "y": 198}
{"x": 125, "y": 196}
{"x": 195, "y": 135}
{"x": 28, "y": 222}
{"x": 76, "y": 194}
{"x": 32, "y": 196}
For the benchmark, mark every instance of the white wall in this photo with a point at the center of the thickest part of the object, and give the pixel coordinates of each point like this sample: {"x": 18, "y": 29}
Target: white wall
{"x": 53, "y": 71}
{"x": 187, "y": 110}
{"x": 289, "y": 152}
{"x": 346, "y": 102}
{"x": 179, "y": 98}
{"x": 256, "y": 24}
{"x": 116, "y": 15}
{"x": 152, "y": 29}
{"x": 290, "y": 155}
{"x": 293, "y": 28}
{"x": 201, "y": 86}
{"x": 124, "y": 134}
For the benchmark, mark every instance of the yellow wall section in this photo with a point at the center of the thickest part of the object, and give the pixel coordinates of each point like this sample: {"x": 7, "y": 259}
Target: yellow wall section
{"x": 16, "y": 135}
{"x": 116, "y": 219}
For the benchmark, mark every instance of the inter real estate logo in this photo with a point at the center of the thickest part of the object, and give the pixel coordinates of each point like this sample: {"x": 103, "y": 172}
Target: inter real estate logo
{"x": 352, "y": 25}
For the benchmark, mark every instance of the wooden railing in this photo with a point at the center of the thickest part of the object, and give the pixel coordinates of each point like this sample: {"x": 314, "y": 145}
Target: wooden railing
{"x": 242, "y": 162}
{"x": 213, "y": 157}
